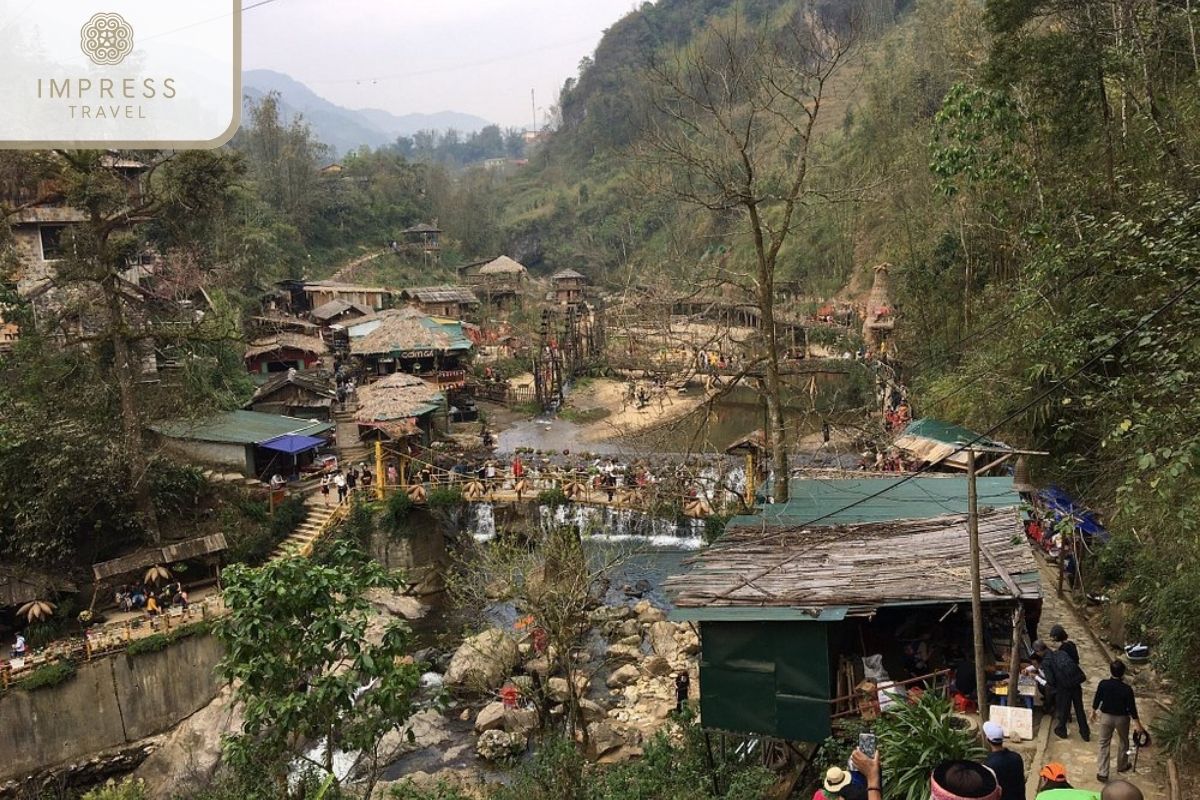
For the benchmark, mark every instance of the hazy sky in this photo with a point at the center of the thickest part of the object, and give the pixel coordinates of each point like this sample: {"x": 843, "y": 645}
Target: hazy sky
{"x": 477, "y": 56}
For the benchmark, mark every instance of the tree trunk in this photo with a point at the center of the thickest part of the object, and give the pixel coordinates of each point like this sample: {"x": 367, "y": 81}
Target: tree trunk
{"x": 776, "y": 434}
{"x": 125, "y": 371}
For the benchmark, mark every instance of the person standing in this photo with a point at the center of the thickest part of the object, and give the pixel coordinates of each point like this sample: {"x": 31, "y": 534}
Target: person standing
{"x": 339, "y": 480}
{"x": 1065, "y": 680}
{"x": 1115, "y": 706}
{"x": 18, "y": 648}
{"x": 1008, "y": 766}
{"x": 325, "y": 488}
{"x": 1058, "y": 634}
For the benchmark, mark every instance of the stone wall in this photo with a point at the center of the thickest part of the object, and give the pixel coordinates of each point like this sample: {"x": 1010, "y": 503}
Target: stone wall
{"x": 111, "y": 702}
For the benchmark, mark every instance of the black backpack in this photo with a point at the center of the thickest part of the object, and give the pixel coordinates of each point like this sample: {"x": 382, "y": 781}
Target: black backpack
{"x": 1068, "y": 673}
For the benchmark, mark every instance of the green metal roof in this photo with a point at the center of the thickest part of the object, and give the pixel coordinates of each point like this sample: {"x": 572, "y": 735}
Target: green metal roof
{"x": 945, "y": 432}
{"x": 239, "y": 427}
{"x": 824, "y": 502}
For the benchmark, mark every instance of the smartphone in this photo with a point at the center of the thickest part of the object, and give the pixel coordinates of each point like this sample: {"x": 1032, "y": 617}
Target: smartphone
{"x": 866, "y": 743}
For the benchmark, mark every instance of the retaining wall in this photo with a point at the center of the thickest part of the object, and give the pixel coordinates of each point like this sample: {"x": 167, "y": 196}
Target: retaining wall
{"x": 111, "y": 702}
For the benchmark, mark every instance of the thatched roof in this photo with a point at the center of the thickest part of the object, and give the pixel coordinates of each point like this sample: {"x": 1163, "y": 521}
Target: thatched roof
{"x": 399, "y": 396}
{"x": 565, "y": 274}
{"x": 407, "y": 329}
{"x": 503, "y": 266}
{"x": 287, "y": 341}
{"x": 422, "y": 227}
{"x": 859, "y": 567}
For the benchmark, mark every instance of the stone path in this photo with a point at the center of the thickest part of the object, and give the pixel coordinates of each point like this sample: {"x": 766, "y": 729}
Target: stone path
{"x": 1077, "y": 756}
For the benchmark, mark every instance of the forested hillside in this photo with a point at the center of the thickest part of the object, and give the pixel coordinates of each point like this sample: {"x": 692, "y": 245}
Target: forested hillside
{"x": 1030, "y": 170}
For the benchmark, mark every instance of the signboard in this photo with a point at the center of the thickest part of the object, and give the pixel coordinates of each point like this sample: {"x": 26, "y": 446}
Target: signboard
{"x": 417, "y": 353}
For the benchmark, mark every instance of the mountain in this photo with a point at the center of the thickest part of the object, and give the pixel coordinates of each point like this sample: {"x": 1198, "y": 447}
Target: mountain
{"x": 343, "y": 128}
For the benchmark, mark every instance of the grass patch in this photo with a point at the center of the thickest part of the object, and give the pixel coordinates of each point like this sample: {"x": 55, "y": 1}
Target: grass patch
{"x": 48, "y": 676}
{"x": 583, "y": 416}
{"x": 161, "y": 641}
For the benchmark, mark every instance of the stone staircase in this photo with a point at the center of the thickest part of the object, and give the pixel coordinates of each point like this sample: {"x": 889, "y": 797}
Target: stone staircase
{"x": 307, "y": 531}
{"x": 350, "y": 449}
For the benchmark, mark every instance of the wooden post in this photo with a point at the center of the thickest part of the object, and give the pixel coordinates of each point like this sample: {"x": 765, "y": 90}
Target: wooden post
{"x": 981, "y": 690}
{"x": 1014, "y": 660}
{"x": 380, "y": 475}
{"x": 750, "y": 487}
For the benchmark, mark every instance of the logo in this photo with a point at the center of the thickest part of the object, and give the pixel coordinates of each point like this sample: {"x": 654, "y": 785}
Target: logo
{"x": 106, "y": 39}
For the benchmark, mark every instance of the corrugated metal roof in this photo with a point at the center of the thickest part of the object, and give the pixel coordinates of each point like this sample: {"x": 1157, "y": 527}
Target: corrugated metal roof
{"x": 239, "y": 427}
{"x": 823, "y": 502}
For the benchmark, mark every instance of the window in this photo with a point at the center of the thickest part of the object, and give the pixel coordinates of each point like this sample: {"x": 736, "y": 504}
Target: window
{"x": 52, "y": 241}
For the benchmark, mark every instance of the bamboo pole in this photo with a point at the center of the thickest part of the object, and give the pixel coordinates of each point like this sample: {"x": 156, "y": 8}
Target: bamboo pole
{"x": 981, "y": 690}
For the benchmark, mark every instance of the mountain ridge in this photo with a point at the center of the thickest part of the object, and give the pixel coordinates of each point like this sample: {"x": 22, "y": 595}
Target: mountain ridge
{"x": 345, "y": 129}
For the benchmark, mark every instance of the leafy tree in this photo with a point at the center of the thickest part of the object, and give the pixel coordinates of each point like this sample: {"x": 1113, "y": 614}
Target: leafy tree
{"x": 305, "y": 666}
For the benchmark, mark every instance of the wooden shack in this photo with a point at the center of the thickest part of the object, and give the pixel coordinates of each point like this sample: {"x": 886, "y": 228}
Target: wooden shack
{"x": 442, "y": 301}
{"x": 283, "y": 351}
{"x": 569, "y": 287}
{"x": 785, "y": 610}
{"x": 307, "y": 395}
{"x": 406, "y": 340}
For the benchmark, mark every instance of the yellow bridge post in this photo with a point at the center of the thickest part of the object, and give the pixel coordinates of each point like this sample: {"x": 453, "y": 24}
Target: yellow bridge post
{"x": 750, "y": 487}
{"x": 380, "y": 475}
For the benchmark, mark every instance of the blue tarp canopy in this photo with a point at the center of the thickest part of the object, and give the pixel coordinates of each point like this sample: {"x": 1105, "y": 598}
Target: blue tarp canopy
{"x": 1060, "y": 505}
{"x": 292, "y": 443}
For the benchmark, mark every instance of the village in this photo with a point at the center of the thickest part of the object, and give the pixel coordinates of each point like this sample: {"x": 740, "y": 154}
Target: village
{"x": 913, "y": 561}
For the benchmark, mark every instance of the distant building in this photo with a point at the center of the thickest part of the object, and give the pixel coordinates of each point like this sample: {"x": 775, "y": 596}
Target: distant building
{"x": 498, "y": 281}
{"x": 308, "y": 395}
{"x": 569, "y": 287}
{"x": 319, "y": 293}
{"x": 406, "y": 340}
{"x": 423, "y": 238}
{"x": 442, "y": 301}
{"x": 250, "y": 442}
{"x": 399, "y": 406}
{"x": 283, "y": 351}
{"x": 338, "y": 311}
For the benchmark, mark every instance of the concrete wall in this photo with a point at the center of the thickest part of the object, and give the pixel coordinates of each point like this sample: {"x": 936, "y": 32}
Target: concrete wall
{"x": 232, "y": 457}
{"x": 110, "y": 703}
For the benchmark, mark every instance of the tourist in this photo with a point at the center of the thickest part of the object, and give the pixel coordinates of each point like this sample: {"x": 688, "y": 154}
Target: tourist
{"x": 351, "y": 480}
{"x": 1058, "y": 634}
{"x": 339, "y": 481}
{"x": 1065, "y": 680}
{"x": 683, "y": 683}
{"x": 367, "y": 477}
{"x": 325, "y": 480}
{"x": 1116, "y": 706}
{"x": 18, "y": 648}
{"x": 277, "y": 482}
{"x": 152, "y": 604}
{"x": 952, "y": 780}
{"x": 871, "y": 770}
{"x": 1053, "y": 776}
{"x": 839, "y": 784}
{"x": 181, "y": 599}
{"x": 1008, "y": 766}
{"x": 393, "y": 475}
{"x": 1121, "y": 790}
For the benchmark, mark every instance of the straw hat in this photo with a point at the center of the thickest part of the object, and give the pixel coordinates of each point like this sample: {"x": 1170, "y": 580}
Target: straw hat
{"x": 836, "y": 779}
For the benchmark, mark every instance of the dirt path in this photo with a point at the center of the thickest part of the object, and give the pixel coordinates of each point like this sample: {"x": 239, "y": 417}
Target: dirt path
{"x": 1077, "y": 756}
{"x": 625, "y": 418}
{"x": 345, "y": 272}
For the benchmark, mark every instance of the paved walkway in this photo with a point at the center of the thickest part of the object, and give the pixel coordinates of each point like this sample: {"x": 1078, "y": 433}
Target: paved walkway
{"x": 1077, "y": 756}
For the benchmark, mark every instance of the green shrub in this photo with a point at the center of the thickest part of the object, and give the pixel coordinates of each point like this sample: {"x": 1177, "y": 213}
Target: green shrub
{"x": 552, "y": 498}
{"x": 128, "y": 789}
{"x": 149, "y": 644}
{"x": 445, "y": 497}
{"x": 48, "y": 675}
{"x": 916, "y": 737}
{"x": 394, "y": 518}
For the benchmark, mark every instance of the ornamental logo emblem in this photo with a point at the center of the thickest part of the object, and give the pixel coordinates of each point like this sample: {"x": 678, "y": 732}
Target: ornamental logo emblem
{"x": 106, "y": 39}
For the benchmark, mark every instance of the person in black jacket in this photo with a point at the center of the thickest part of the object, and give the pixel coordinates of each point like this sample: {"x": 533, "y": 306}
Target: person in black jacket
{"x": 1116, "y": 706}
{"x": 1058, "y": 635}
{"x": 1065, "y": 680}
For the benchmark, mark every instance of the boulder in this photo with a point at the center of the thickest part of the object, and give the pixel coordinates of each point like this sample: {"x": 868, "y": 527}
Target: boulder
{"x": 651, "y": 615}
{"x": 522, "y": 721}
{"x": 483, "y": 661}
{"x": 623, "y": 676}
{"x": 188, "y": 759}
{"x": 620, "y": 755}
{"x": 656, "y": 666}
{"x": 498, "y": 745}
{"x": 490, "y": 717}
{"x": 590, "y": 711}
{"x": 539, "y": 666}
{"x": 687, "y": 639}
{"x": 557, "y": 688}
{"x": 625, "y": 652}
{"x": 628, "y": 627}
{"x": 428, "y": 728}
{"x": 599, "y": 616}
{"x": 603, "y": 738}
{"x": 631, "y": 641}
{"x": 641, "y": 607}
{"x": 662, "y": 640}
{"x": 398, "y": 605}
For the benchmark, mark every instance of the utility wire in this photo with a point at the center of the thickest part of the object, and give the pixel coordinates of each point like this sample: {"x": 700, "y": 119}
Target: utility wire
{"x": 1175, "y": 298}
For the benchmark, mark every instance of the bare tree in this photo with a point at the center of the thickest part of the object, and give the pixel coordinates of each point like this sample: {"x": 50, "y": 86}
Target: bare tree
{"x": 732, "y": 132}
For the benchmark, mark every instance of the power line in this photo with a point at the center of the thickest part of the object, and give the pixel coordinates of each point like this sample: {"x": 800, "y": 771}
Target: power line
{"x": 206, "y": 21}
{"x": 1175, "y": 298}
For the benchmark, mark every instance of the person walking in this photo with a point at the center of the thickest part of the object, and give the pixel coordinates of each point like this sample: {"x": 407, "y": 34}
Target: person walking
{"x": 1059, "y": 636}
{"x": 1008, "y": 766}
{"x": 339, "y": 480}
{"x": 1115, "y": 707}
{"x": 1065, "y": 679}
{"x": 325, "y": 488}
